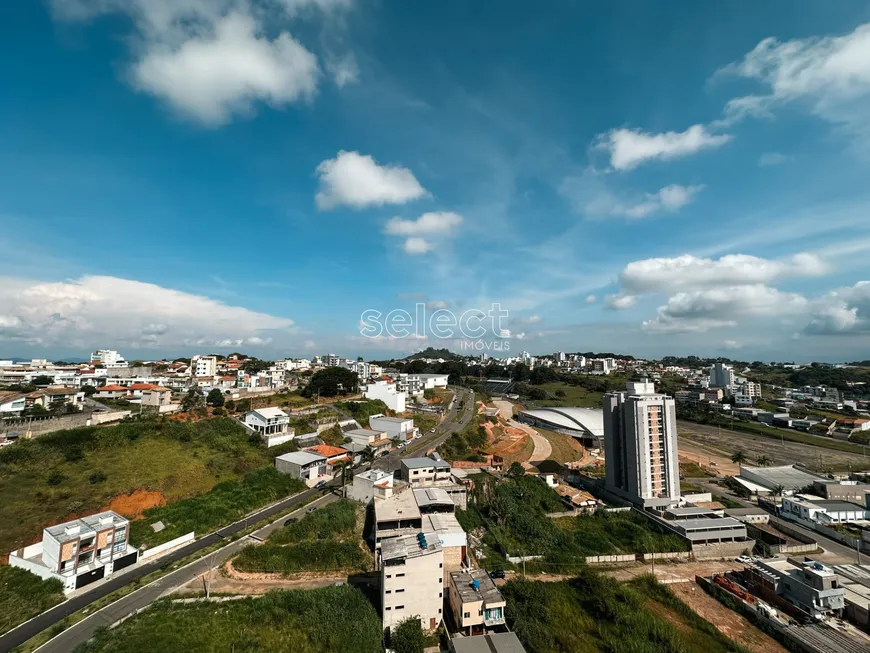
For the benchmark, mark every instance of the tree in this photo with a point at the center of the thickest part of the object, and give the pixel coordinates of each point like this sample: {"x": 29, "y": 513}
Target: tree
{"x": 42, "y": 380}
{"x": 516, "y": 471}
{"x": 777, "y": 491}
{"x": 215, "y": 398}
{"x": 762, "y": 461}
{"x": 407, "y": 636}
{"x": 333, "y": 436}
{"x": 331, "y": 382}
{"x": 192, "y": 400}
{"x": 367, "y": 455}
{"x": 89, "y": 390}
{"x": 738, "y": 458}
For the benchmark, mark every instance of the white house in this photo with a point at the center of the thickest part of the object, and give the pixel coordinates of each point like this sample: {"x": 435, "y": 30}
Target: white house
{"x": 394, "y": 427}
{"x": 203, "y": 366}
{"x": 810, "y": 508}
{"x": 273, "y": 425}
{"x": 12, "y": 402}
{"x": 370, "y": 484}
{"x": 386, "y": 391}
{"x": 310, "y": 467}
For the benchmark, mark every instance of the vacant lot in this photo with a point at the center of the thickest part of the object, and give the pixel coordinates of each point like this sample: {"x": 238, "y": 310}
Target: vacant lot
{"x": 329, "y": 539}
{"x": 592, "y": 613}
{"x": 296, "y": 621}
{"x": 573, "y": 396}
{"x": 61, "y": 475}
{"x": 725, "y": 442}
{"x": 24, "y": 595}
{"x": 565, "y": 448}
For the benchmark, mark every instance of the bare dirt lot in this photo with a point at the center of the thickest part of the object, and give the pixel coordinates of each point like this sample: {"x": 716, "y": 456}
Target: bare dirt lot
{"x": 705, "y": 440}
{"x": 729, "y": 623}
{"x": 134, "y": 504}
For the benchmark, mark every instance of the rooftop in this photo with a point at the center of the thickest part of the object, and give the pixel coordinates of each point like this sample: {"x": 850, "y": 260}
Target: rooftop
{"x": 393, "y": 420}
{"x": 328, "y": 450}
{"x": 445, "y": 523}
{"x": 89, "y": 524}
{"x": 486, "y": 590}
{"x": 492, "y": 643}
{"x": 301, "y": 457}
{"x": 410, "y": 546}
{"x": 788, "y": 476}
{"x": 400, "y": 506}
{"x": 363, "y": 432}
{"x": 432, "y": 496}
{"x": 589, "y": 420}
{"x": 270, "y": 413}
{"x": 426, "y": 461}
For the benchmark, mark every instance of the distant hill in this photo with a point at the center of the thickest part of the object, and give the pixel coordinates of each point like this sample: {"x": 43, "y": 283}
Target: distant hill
{"x": 431, "y": 352}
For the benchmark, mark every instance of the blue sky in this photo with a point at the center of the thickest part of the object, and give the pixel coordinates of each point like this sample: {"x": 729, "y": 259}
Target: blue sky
{"x": 179, "y": 176}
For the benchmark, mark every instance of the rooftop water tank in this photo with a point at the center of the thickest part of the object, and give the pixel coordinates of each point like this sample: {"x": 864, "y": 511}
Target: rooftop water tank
{"x": 475, "y": 584}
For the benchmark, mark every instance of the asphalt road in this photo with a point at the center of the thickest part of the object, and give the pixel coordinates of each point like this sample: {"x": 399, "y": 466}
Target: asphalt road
{"x": 29, "y": 629}
{"x": 454, "y": 421}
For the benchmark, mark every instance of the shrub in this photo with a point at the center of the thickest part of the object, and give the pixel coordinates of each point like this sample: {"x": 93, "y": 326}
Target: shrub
{"x": 55, "y": 478}
{"x": 97, "y": 477}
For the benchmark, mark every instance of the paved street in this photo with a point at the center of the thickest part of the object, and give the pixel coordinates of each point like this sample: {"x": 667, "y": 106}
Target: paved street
{"x": 50, "y": 617}
{"x": 454, "y": 421}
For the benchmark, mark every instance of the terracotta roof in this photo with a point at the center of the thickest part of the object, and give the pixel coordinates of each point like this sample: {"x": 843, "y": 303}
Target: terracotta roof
{"x": 158, "y": 388}
{"x": 144, "y": 386}
{"x": 327, "y": 450}
{"x": 112, "y": 388}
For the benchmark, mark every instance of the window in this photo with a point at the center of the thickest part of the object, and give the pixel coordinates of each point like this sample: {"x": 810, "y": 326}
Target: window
{"x": 400, "y": 607}
{"x": 467, "y": 615}
{"x": 388, "y": 592}
{"x": 440, "y": 565}
{"x": 440, "y": 580}
{"x": 388, "y": 608}
{"x": 399, "y": 591}
{"x": 400, "y": 575}
{"x": 439, "y": 610}
{"x": 440, "y": 595}
{"x": 389, "y": 576}
{"x": 480, "y": 613}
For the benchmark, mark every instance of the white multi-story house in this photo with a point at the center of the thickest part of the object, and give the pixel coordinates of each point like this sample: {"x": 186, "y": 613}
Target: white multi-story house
{"x": 394, "y": 427}
{"x": 109, "y": 358}
{"x": 640, "y": 442}
{"x": 386, "y": 391}
{"x": 374, "y": 483}
{"x": 79, "y": 552}
{"x": 273, "y": 425}
{"x": 203, "y": 366}
{"x": 305, "y": 465}
{"x": 331, "y": 360}
{"x": 412, "y": 579}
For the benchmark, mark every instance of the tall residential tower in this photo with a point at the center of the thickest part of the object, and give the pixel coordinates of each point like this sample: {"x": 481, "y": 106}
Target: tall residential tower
{"x": 640, "y": 444}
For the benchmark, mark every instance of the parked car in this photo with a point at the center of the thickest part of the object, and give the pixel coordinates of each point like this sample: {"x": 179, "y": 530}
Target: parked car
{"x": 498, "y": 573}
{"x": 320, "y": 484}
{"x": 431, "y": 430}
{"x": 744, "y": 559}
{"x": 292, "y": 520}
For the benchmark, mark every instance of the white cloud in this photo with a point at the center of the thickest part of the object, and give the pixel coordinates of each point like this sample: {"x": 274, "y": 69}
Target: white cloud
{"x": 773, "y": 159}
{"x": 436, "y": 304}
{"x": 224, "y": 72}
{"x": 356, "y": 180}
{"x": 417, "y": 245}
{"x": 520, "y": 336}
{"x": 620, "y": 302}
{"x": 590, "y": 194}
{"x": 344, "y": 70}
{"x": 591, "y": 299}
{"x": 687, "y": 271}
{"x": 529, "y": 319}
{"x": 309, "y": 344}
{"x": 99, "y": 311}
{"x": 845, "y": 310}
{"x": 436, "y": 222}
{"x": 731, "y": 344}
{"x": 701, "y": 310}
{"x": 831, "y": 74}
{"x": 212, "y": 59}
{"x": 629, "y": 148}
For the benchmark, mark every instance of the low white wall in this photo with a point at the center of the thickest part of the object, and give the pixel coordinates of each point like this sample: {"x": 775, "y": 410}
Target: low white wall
{"x": 166, "y": 546}
{"x": 115, "y": 416}
{"x": 275, "y": 440}
{"x": 594, "y": 560}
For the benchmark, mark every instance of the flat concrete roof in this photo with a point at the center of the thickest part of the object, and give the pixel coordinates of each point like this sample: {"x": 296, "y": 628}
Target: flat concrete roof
{"x": 301, "y": 457}
{"x": 426, "y": 461}
{"x": 492, "y": 643}
{"x": 400, "y": 506}
{"x": 486, "y": 591}
{"x": 409, "y": 546}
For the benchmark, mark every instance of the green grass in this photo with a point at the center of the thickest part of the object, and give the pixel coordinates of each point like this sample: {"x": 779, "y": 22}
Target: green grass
{"x": 223, "y": 504}
{"x": 299, "y": 621}
{"x": 575, "y": 396}
{"x": 607, "y": 533}
{"x": 592, "y": 613}
{"x": 328, "y": 539}
{"x": 694, "y": 470}
{"x": 565, "y": 448}
{"x": 24, "y": 595}
{"x": 725, "y": 501}
{"x": 178, "y": 459}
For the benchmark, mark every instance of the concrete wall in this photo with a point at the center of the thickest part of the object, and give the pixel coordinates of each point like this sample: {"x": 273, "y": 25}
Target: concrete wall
{"x": 39, "y": 426}
{"x": 166, "y": 546}
{"x": 721, "y": 550}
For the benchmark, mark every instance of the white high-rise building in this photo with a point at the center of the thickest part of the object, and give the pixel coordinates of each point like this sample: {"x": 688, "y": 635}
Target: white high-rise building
{"x": 203, "y": 366}
{"x": 721, "y": 375}
{"x": 331, "y": 360}
{"x": 640, "y": 444}
{"x": 109, "y": 358}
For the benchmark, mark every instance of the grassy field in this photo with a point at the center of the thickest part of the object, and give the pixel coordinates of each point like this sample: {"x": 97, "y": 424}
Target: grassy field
{"x": 328, "y": 539}
{"x": 59, "y": 475}
{"x": 24, "y": 595}
{"x": 300, "y": 621}
{"x": 592, "y": 614}
{"x": 565, "y": 448}
{"x": 692, "y": 469}
{"x": 575, "y": 396}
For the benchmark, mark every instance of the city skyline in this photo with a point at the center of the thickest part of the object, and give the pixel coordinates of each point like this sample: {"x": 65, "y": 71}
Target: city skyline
{"x": 613, "y": 194}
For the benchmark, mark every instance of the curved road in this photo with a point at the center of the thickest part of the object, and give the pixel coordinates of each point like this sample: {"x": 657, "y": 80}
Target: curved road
{"x": 82, "y": 631}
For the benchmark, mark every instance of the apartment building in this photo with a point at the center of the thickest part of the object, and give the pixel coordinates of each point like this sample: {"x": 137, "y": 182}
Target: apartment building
{"x": 427, "y": 470}
{"x": 201, "y": 366}
{"x": 387, "y": 391}
{"x": 108, "y": 358}
{"x": 394, "y": 427}
{"x": 268, "y": 421}
{"x": 157, "y": 396}
{"x": 640, "y": 444}
{"x": 475, "y": 601}
{"x": 80, "y": 551}
{"x": 412, "y": 579}
{"x": 331, "y": 360}
{"x": 721, "y": 375}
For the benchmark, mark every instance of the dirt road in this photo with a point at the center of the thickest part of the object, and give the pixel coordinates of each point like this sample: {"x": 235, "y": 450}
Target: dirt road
{"x": 543, "y": 448}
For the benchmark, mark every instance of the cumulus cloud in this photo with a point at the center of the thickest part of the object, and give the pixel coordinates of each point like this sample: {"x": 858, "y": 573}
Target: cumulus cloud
{"x": 701, "y": 310}
{"x": 591, "y": 299}
{"x": 417, "y": 245}
{"x": 213, "y": 59}
{"x": 842, "y": 311}
{"x": 831, "y": 74}
{"x": 620, "y": 302}
{"x": 687, "y": 271}
{"x": 731, "y": 344}
{"x": 436, "y": 222}
{"x": 344, "y": 70}
{"x": 100, "y": 311}
{"x": 357, "y": 180}
{"x": 630, "y": 148}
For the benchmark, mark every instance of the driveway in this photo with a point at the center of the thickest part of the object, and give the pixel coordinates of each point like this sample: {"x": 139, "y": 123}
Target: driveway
{"x": 543, "y": 448}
